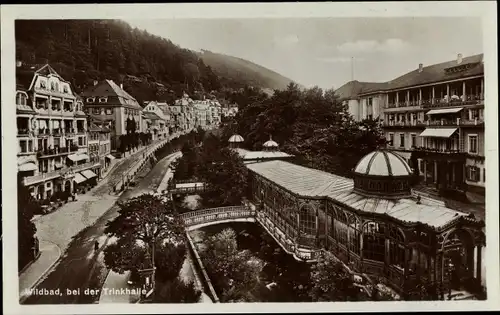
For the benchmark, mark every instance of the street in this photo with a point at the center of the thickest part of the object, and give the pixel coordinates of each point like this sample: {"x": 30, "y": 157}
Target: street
{"x": 81, "y": 268}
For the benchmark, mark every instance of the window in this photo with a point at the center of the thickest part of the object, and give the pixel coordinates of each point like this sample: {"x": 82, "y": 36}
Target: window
{"x": 473, "y": 173}
{"x": 402, "y": 140}
{"x": 413, "y": 140}
{"x": 374, "y": 241}
{"x": 307, "y": 221}
{"x": 473, "y": 114}
{"x": 484, "y": 175}
{"x": 52, "y": 86}
{"x": 473, "y": 144}
{"x": 65, "y": 89}
{"x": 23, "y": 148}
{"x": 96, "y": 111}
{"x": 396, "y": 248}
{"x": 103, "y": 99}
{"x": 80, "y": 141}
{"x": 109, "y": 111}
{"x": 21, "y": 99}
{"x": 391, "y": 139}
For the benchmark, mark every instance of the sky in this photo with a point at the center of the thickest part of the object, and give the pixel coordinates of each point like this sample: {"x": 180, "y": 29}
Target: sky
{"x": 328, "y": 52}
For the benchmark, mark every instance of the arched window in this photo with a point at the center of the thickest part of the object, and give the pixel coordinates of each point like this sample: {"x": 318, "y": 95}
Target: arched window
{"x": 374, "y": 241}
{"x": 340, "y": 226}
{"x": 354, "y": 230}
{"x": 397, "y": 247}
{"x": 307, "y": 220}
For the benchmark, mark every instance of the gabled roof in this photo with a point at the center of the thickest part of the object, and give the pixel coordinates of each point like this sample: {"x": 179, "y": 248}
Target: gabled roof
{"x": 108, "y": 88}
{"x": 438, "y": 73}
{"x": 352, "y": 89}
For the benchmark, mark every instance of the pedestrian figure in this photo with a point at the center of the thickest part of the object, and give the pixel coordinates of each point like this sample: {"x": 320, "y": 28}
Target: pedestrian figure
{"x": 96, "y": 246}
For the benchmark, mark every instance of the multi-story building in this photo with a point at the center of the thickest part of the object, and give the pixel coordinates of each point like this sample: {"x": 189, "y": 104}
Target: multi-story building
{"x": 109, "y": 101}
{"x": 100, "y": 145}
{"x": 52, "y": 132}
{"x": 155, "y": 121}
{"x": 229, "y": 111}
{"x": 364, "y": 100}
{"x": 434, "y": 117}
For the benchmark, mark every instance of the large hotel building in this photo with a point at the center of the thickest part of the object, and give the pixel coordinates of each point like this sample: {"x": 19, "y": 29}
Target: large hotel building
{"x": 434, "y": 117}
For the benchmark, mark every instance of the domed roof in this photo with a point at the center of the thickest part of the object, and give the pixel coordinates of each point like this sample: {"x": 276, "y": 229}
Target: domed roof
{"x": 270, "y": 144}
{"x": 383, "y": 163}
{"x": 383, "y": 174}
{"x": 236, "y": 138}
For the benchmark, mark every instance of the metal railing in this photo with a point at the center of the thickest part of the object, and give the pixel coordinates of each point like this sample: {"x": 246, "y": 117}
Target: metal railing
{"x": 216, "y": 214}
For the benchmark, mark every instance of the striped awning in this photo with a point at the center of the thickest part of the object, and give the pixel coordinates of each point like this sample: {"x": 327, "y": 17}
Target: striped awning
{"x": 88, "y": 174}
{"x": 79, "y": 178}
{"x": 438, "y": 132}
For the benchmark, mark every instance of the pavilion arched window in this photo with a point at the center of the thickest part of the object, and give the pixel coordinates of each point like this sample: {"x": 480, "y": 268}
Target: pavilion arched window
{"x": 397, "y": 247}
{"x": 340, "y": 226}
{"x": 307, "y": 220}
{"x": 374, "y": 241}
{"x": 354, "y": 230}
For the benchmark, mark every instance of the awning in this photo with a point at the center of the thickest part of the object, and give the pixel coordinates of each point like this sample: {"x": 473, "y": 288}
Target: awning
{"x": 26, "y": 167}
{"x": 444, "y": 111}
{"x": 78, "y": 157}
{"x": 83, "y": 156}
{"x": 109, "y": 156}
{"x": 88, "y": 174}
{"x": 438, "y": 132}
{"x": 79, "y": 178}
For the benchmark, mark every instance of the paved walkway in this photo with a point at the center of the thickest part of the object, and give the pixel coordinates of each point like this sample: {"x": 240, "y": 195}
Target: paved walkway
{"x": 117, "y": 290}
{"x": 49, "y": 254}
{"x": 57, "y": 229}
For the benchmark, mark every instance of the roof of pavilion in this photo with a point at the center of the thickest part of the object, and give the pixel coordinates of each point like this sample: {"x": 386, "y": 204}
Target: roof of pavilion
{"x": 258, "y": 155}
{"x": 309, "y": 182}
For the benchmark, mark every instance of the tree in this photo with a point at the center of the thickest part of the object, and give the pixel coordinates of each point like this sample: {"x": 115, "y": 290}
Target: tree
{"x": 235, "y": 273}
{"x": 226, "y": 175}
{"x": 27, "y": 206}
{"x": 143, "y": 226}
{"x": 177, "y": 291}
{"x": 331, "y": 282}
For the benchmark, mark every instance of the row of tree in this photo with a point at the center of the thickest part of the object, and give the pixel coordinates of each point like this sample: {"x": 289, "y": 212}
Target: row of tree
{"x": 311, "y": 124}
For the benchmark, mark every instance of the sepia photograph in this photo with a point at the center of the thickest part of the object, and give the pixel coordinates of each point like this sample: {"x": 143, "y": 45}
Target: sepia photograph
{"x": 205, "y": 157}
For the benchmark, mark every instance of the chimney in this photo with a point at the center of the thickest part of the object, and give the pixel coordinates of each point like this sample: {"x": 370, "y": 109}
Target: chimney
{"x": 19, "y": 63}
{"x": 459, "y": 59}
{"x": 420, "y": 67}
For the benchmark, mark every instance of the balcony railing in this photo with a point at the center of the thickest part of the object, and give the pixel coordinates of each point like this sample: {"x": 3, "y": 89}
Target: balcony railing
{"x": 455, "y": 122}
{"x": 437, "y": 150}
{"x": 69, "y": 131}
{"x": 57, "y": 131}
{"x": 43, "y": 132}
{"x": 410, "y": 123}
{"x": 56, "y": 151}
{"x": 469, "y": 100}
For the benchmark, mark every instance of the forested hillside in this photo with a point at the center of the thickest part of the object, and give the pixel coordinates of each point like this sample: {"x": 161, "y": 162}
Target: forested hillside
{"x": 241, "y": 70}
{"x": 150, "y": 67}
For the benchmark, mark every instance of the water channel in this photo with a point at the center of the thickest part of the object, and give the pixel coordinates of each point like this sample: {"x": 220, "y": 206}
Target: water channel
{"x": 281, "y": 279}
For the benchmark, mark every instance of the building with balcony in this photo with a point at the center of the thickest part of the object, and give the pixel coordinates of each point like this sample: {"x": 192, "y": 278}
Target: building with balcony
{"x": 156, "y": 120}
{"x": 110, "y": 102}
{"x": 100, "y": 145}
{"x": 51, "y": 130}
{"x": 363, "y": 100}
{"x": 434, "y": 117}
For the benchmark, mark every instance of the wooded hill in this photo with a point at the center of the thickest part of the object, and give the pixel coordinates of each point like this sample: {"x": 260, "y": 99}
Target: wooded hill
{"x": 150, "y": 67}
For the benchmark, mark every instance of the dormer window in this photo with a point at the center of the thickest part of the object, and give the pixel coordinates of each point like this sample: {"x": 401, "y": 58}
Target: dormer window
{"x": 90, "y": 99}
{"x": 42, "y": 84}
{"x": 52, "y": 86}
{"x": 103, "y": 100}
{"x": 65, "y": 89}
